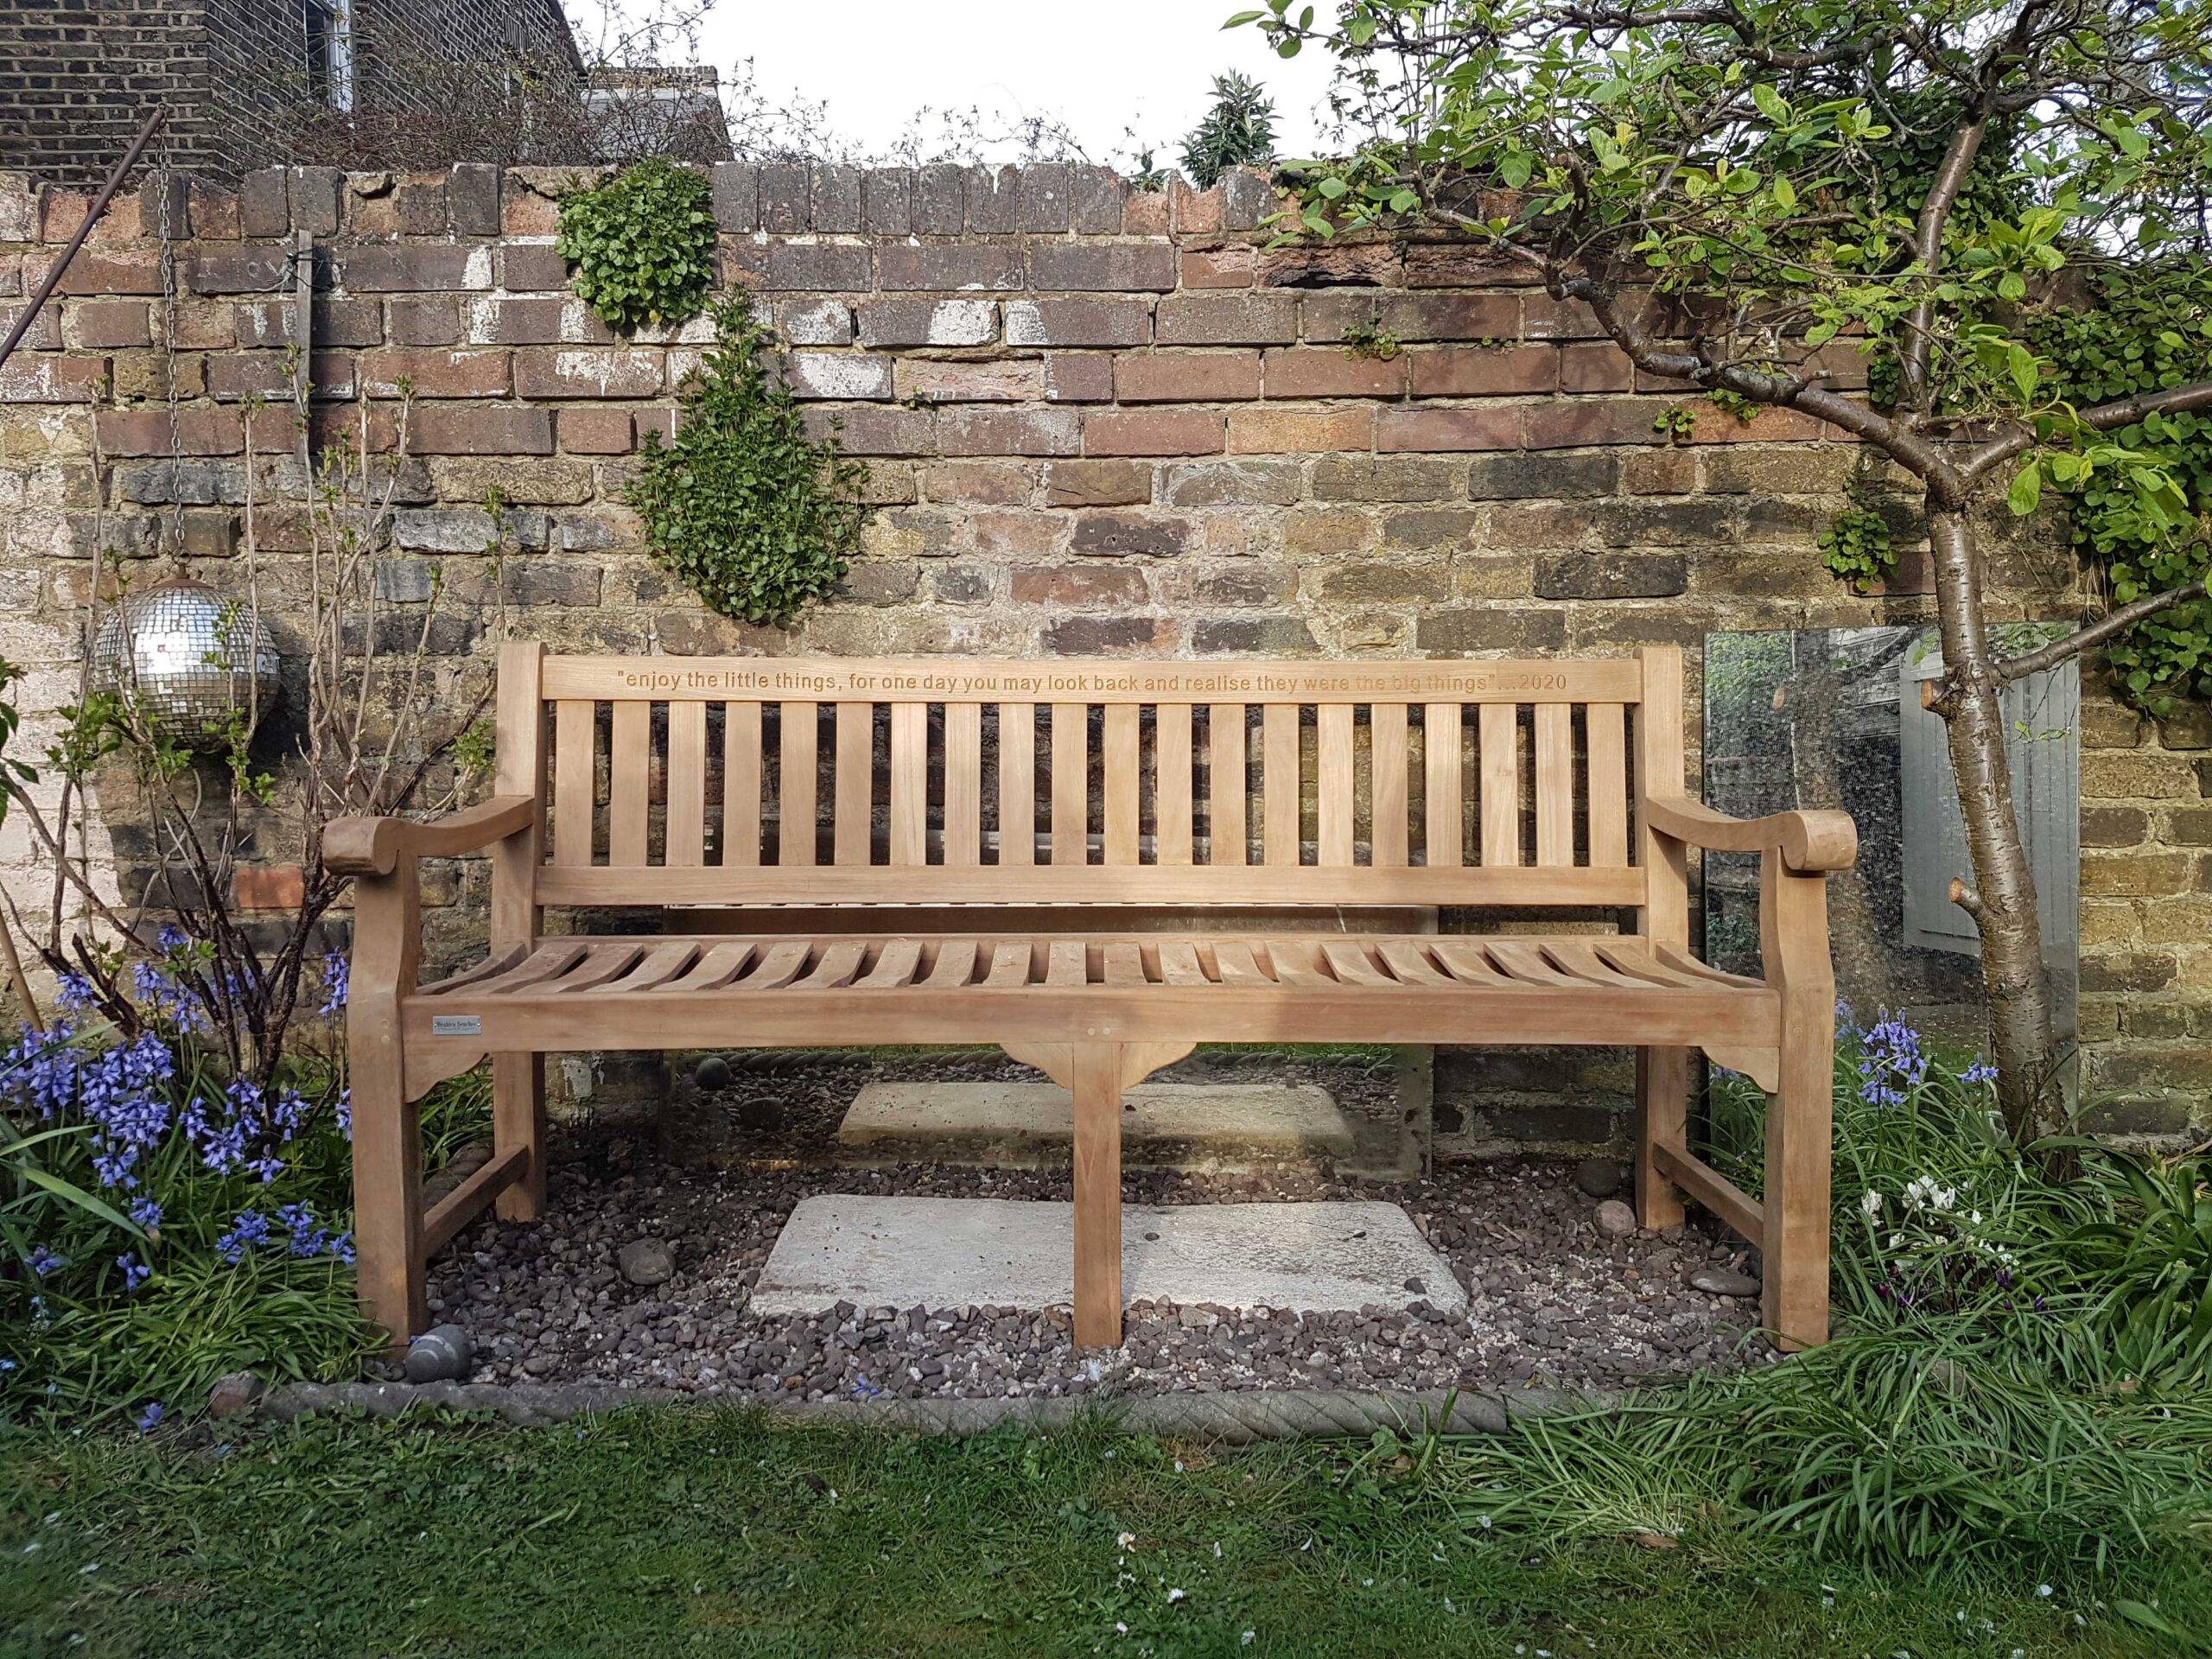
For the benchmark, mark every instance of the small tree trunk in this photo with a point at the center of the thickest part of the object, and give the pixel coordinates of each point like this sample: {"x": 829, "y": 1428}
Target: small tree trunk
{"x": 2004, "y": 904}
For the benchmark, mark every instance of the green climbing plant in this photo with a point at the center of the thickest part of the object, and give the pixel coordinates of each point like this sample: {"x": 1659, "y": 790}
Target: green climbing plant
{"x": 744, "y": 504}
{"x": 1237, "y": 130}
{"x": 640, "y": 245}
{"x": 2144, "y": 332}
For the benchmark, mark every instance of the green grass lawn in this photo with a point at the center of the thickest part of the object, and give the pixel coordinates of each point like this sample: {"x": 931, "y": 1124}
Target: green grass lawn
{"x": 713, "y": 1532}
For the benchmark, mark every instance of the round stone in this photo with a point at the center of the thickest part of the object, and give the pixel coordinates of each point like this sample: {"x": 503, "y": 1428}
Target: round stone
{"x": 1724, "y": 1281}
{"x": 714, "y": 1073}
{"x": 1601, "y": 1178}
{"x": 441, "y": 1354}
{"x": 233, "y": 1393}
{"x": 645, "y": 1261}
{"x": 1616, "y": 1219}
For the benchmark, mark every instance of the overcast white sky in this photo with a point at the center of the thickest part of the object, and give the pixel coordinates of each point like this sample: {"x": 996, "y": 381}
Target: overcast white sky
{"x": 1101, "y": 67}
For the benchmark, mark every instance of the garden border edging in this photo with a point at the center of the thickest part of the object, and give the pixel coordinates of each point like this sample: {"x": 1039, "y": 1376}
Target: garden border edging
{"x": 1240, "y": 1418}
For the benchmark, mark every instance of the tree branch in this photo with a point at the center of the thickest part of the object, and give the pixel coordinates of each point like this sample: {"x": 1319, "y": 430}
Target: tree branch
{"x": 2050, "y": 656}
{"x": 2101, "y": 417}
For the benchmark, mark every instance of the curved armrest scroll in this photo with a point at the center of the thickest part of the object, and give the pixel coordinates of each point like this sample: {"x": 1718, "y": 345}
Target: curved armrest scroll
{"x": 1807, "y": 842}
{"x": 375, "y": 846}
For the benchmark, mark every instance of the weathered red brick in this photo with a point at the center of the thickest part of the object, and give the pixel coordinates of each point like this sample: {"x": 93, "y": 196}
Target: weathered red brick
{"x": 435, "y": 373}
{"x": 123, "y": 270}
{"x": 249, "y": 374}
{"x": 1196, "y": 211}
{"x": 587, "y": 371}
{"x": 453, "y": 429}
{"x": 1230, "y": 267}
{"x": 1325, "y": 373}
{"x": 1299, "y": 431}
{"x": 870, "y": 429}
{"x": 1713, "y": 425}
{"x": 1079, "y": 584}
{"x": 1450, "y": 316}
{"x": 1453, "y": 429}
{"x": 1579, "y": 422}
{"x": 949, "y": 267}
{"x": 1595, "y": 366}
{"x": 596, "y": 431}
{"x": 534, "y": 322}
{"x": 198, "y": 432}
{"x": 1484, "y": 370}
{"x": 532, "y": 268}
{"x": 1334, "y": 312}
{"x": 799, "y": 267}
{"x": 1097, "y": 483}
{"x": 982, "y": 483}
{"x": 1145, "y": 213}
{"x": 1152, "y": 432}
{"x": 1465, "y": 264}
{"x": 1186, "y": 376}
{"x": 1014, "y": 380}
{"x": 39, "y": 378}
{"x": 853, "y": 376}
{"x": 268, "y": 886}
{"x": 1315, "y": 264}
{"x": 1078, "y": 322}
{"x": 1007, "y": 432}
{"x": 1079, "y": 377}
{"x": 425, "y": 320}
{"x": 414, "y": 268}
{"x": 44, "y": 333}
{"x": 1109, "y": 636}
{"x": 1543, "y": 317}
{"x": 1016, "y": 533}
{"x": 1226, "y": 319}
{"x": 103, "y": 325}
{"x": 335, "y": 322}
{"x": 1071, "y": 267}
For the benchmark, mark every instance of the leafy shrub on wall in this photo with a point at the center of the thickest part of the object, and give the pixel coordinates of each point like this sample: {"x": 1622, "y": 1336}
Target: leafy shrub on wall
{"x": 755, "y": 514}
{"x": 640, "y": 245}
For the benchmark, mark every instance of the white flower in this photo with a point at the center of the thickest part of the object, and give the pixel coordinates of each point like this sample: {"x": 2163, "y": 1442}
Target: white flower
{"x": 1125, "y": 1542}
{"x": 1870, "y": 1203}
{"x": 2042, "y": 1590}
{"x": 1174, "y": 1596}
{"x": 1248, "y": 1638}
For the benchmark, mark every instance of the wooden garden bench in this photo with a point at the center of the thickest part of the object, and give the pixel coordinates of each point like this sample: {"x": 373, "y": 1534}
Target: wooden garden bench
{"x": 1017, "y": 791}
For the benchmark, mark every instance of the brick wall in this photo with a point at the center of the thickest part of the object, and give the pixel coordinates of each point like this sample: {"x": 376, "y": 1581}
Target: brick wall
{"x": 1096, "y": 421}
{"x": 78, "y": 76}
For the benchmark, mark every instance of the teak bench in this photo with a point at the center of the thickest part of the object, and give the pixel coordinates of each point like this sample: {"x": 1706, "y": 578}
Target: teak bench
{"x": 1022, "y": 790}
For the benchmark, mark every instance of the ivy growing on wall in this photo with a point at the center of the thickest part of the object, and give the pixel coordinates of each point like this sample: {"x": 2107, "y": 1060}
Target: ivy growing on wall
{"x": 757, "y": 516}
{"x": 2138, "y": 335}
{"x": 640, "y": 245}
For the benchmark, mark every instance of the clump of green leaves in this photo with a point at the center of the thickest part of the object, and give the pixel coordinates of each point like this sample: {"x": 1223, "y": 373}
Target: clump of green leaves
{"x": 640, "y": 246}
{"x": 744, "y": 504}
{"x": 1734, "y": 403}
{"x": 1674, "y": 423}
{"x": 1238, "y": 130}
{"x": 1371, "y": 340}
{"x": 2144, "y": 332}
{"x": 1856, "y": 546}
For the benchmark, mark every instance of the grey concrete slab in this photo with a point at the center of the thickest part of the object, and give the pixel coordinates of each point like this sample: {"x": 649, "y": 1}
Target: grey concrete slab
{"x": 1191, "y": 1126}
{"x": 1312, "y": 1257}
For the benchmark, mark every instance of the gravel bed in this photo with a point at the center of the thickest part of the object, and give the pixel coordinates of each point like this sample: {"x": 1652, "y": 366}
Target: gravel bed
{"x": 1553, "y": 1300}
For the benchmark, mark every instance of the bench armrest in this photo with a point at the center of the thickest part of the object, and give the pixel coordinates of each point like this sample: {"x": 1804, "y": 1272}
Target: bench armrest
{"x": 375, "y": 846}
{"x": 1809, "y": 842}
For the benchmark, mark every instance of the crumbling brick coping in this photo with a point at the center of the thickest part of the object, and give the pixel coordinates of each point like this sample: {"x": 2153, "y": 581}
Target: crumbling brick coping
{"x": 1231, "y": 1418}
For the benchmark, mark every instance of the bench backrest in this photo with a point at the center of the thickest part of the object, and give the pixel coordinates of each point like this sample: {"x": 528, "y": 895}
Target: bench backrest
{"x": 767, "y": 780}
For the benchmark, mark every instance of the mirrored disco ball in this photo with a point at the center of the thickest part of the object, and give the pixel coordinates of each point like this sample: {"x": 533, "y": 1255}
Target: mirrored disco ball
{"x": 186, "y": 659}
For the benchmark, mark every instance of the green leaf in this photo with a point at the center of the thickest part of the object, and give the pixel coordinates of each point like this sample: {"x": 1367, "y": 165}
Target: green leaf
{"x": 1332, "y": 187}
{"x": 2022, "y": 363}
{"x": 2026, "y": 493}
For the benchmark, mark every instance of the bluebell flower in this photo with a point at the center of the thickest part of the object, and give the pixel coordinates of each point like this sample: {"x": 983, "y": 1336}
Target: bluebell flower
{"x": 153, "y": 1413}
{"x": 135, "y": 1272}
{"x": 146, "y": 1213}
{"x": 1890, "y": 1063}
{"x": 42, "y": 1261}
{"x": 337, "y": 983}
{"x": 1980, "y": 1071}
{"x": 172, "y": 937}
{"x": 74, "y": 992}
{"x": 248, "y": 1228}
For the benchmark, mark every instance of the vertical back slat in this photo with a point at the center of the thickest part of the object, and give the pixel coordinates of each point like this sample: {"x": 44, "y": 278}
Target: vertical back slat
{"x": 852, "y": 797}
{"x": 1334, "y": 790}
{"x": 1228, "y": 835}
{"x": 687, "y": 783}
{"x": 741, "y": 783}
{"x": 1279, "y": 784}
{"x": 1555, "y": 783}
{"x": 1171, "y": 788}
{"x": 910, "y": 783}
{"x": 1608, "y": 783}
{"x": 795, "y": 787}
{"x": 1444, "y": 791}
{"x": 519, "y": 730}
{"x": 1386, "y": 836}
{"x": 1124, "y": 765}
{"x": 576, "y": 732}
{"x": 1501, "y": 784}
{"x": 1071, "y": 783}
{"x": 1017, "y": 783}
{"x": 1659, "y": 774}
{"x": 629, "y": 782}
{"x": 963, "y": 783}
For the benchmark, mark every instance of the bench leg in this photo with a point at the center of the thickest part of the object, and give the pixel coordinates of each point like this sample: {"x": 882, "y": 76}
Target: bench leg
{"x": 1662, "y": 1095}
{"x": 518, "y": 1120}
{"x": 1096, "y": 1087}
{"x": 1799, "y": 1127}
{"x": 387, "y": 1193}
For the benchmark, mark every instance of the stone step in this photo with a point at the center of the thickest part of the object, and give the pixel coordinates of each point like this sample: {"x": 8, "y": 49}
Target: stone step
{"x": 1311, "y": 1256}
{"x": 1202, "y": 1128}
